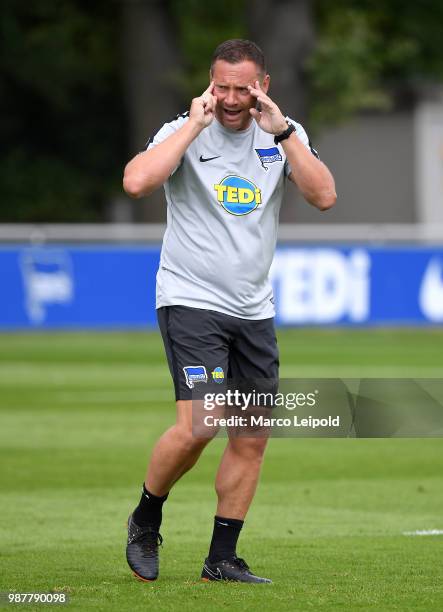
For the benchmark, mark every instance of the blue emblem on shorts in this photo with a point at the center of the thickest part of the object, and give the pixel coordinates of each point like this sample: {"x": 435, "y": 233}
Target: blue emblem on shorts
{"x": 218, "y": 375}
{"x": 194, "y": 375}
{"x": 268, "y": 156}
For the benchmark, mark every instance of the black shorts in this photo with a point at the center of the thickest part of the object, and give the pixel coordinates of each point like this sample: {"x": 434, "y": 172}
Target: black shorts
{"x": 205, "y": 349}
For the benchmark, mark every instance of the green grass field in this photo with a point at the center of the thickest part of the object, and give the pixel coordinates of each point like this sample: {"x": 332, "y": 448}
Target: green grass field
{"x": 79, "y": 414}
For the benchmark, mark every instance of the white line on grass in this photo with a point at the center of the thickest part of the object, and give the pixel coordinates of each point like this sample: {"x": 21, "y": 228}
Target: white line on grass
{"x": 424, "y": 532}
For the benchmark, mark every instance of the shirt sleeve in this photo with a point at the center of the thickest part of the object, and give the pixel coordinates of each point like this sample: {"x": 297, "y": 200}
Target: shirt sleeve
{"x": 165, "y": 131}
{"x": 301, "y": 134}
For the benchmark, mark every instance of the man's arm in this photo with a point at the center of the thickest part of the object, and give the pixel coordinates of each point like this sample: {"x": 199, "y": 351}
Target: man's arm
{"x": 310, "y": 175}
{"x": 148, "y": 170}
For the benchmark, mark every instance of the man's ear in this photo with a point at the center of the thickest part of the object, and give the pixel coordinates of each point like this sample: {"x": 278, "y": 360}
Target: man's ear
{"x": 266, "y": 82}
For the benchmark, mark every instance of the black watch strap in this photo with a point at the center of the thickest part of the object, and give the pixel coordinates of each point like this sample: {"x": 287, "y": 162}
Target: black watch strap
{"x": 285, "y": 134}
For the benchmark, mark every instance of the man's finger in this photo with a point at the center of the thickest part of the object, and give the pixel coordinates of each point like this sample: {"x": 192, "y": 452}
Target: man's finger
{"x": 206, "y": 100}
{"x": 207, "y": 95}
{"x": 209, "y": 90}
{"x": 257, "y": 87}
{"x": 262, "y": 98}
{"x": 265, "y": 101}
{"x": 255, "y": 92}
{"x": 210, "y": 104}
{"x": 258, "y": 93}
{"x": 213, "y": 101}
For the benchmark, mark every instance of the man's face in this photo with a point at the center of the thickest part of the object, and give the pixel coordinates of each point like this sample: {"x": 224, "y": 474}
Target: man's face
{"x": 231, "y": 90}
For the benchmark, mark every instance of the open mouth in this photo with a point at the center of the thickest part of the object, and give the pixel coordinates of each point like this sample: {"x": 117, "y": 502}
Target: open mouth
{"x": 231, "y": 113}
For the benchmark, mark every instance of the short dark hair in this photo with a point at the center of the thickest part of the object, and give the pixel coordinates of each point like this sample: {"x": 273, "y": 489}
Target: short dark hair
{"x": 238, "y": 50}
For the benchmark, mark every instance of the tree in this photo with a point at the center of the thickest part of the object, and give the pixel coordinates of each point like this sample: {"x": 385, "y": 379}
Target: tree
{"x": 61, "y": 110}
{"x": 373, "y": 55}
{"x": 287, "y": 52}
{"x": 84, "y": 84}
{"x": 152, "y": 94}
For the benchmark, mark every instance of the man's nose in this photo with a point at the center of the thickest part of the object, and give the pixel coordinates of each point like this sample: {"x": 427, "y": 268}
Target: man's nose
{"x": 231, "y": 98}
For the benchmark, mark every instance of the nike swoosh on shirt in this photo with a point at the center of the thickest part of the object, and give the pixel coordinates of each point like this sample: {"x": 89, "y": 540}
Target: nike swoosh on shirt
{"x": 205, "y": 159}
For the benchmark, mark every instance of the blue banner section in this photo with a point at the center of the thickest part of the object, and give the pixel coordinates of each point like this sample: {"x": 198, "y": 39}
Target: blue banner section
{"x": 112, "y": 286}
{"x": 358, "y": 285}
{"x": 66, "y": 286}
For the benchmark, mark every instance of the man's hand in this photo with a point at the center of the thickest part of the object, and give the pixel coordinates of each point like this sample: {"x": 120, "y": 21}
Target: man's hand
{"x": 269, "y": 118}
{"x": 202, "y": 109}
{"x": 150, "y": 169}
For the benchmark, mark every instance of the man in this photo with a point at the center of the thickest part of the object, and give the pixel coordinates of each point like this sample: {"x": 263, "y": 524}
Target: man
{"x": 223, "y": 165}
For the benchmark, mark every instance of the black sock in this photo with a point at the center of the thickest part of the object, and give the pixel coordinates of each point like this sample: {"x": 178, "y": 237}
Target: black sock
{"x": 224, "y": 538}
{"x": 149, "y": 511}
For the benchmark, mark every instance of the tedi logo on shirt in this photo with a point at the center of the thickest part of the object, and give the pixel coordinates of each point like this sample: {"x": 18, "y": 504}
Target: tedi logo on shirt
{"x": 238, "y": 195}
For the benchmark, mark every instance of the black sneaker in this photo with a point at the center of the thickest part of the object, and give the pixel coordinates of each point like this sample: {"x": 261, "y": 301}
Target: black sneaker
{"x": 230, "y": 569}
{"x": 142, "y": 551}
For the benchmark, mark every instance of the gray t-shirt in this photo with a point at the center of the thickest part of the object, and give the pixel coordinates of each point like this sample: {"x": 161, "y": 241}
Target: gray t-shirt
{"x": 222, "y": 217}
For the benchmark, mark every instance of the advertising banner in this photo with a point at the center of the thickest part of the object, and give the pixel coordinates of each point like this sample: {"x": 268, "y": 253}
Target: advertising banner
{"x": 65, "y": 286}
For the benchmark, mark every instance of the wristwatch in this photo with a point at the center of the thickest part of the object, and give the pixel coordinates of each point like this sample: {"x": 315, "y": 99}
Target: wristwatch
{"x": 285, "y": 134}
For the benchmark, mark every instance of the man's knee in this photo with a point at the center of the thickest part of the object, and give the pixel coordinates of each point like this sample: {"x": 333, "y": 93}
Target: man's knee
{"x": 252, "y": 449}
{"x": 188, "y": 427}
{"x": 188, "y": 442}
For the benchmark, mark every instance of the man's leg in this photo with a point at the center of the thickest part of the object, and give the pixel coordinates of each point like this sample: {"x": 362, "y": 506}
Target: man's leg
{"x": 174, "y": 454}
{"x": 238, "y": 475}
{"x": 196, "y": 345}
{"x": 253, "y": 366}
{"x": 235, "y": 484}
